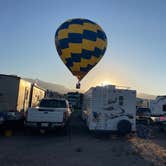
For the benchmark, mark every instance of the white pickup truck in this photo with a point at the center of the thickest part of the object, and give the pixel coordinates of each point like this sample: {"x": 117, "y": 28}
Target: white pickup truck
{"x": 50, "y": 114}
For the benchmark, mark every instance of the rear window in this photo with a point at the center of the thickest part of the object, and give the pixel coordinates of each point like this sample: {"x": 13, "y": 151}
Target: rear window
{"x": 53, "y": 103}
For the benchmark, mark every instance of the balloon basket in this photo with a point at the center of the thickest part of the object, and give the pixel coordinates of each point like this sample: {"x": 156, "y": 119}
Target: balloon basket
{"x": 78, "y": 85}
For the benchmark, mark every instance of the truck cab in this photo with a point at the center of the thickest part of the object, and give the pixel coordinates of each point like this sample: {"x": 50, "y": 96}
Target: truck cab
{"x": 51, "y": 113}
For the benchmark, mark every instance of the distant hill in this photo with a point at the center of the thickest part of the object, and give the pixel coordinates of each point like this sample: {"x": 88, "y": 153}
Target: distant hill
{"x": 62, "y": 89}
{"x": 146, "y": 96}
{"x": 51, "y": 86}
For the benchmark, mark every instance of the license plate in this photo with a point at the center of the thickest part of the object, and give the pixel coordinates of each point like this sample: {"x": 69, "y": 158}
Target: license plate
{"x": 44, "y": 124}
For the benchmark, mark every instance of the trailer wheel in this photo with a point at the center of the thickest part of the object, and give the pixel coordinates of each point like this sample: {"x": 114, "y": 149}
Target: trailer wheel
{"x": 124, "y": 127}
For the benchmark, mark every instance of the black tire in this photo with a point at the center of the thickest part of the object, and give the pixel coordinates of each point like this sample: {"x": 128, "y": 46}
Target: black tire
{"x": 162, "y": 128}
{"x": 124, "y": 127}
{"x": 63, "y": 131}
{"x": 27, "y": 131}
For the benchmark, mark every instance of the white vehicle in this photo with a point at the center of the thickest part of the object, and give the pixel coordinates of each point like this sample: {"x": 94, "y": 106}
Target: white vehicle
{"x": 158, "y": 110}
{"x": 16, "y": 95}
{"x": 51, "y": 113}
{"x": 106, "y": 108}
{"x": 158, "y": 106}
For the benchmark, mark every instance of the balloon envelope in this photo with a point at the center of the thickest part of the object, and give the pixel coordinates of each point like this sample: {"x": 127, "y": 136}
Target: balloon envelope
{"x": 81, "y": 44}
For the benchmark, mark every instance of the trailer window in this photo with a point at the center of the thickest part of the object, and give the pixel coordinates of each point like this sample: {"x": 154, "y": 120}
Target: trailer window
{"x": 164, "y": 107}
{"x": 53, "y": 103}
{"x": 121, "y": 100}
{"x": 26, "y": 93}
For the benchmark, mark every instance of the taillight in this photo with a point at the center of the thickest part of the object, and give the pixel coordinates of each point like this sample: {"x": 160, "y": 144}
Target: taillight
{"x": 65, "y": 115}
{"x": 162, "y": 118}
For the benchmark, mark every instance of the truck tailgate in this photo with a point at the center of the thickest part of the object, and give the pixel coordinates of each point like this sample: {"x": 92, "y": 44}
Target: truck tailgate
{"x": 34, "y": 115}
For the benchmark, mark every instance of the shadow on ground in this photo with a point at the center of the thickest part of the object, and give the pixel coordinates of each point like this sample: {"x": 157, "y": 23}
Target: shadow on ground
{"x": 79, "y": 147}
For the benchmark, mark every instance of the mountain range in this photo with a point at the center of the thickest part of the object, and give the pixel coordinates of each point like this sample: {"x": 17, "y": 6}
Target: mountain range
{"x": 50, "y": 86}
{"x": 146, "y": 96}
{"x": 62, "y": 89}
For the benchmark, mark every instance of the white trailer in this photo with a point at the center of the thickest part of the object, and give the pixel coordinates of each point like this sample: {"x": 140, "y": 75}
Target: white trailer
{"x": 158, "y": 106}
{"x": 158, "y": 110}
{"x": 106, "y": 108}
{"x": 16, "y": 95}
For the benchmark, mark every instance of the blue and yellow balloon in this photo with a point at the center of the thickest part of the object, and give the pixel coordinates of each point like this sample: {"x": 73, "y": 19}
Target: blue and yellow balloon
{"x": 81, "y": 44}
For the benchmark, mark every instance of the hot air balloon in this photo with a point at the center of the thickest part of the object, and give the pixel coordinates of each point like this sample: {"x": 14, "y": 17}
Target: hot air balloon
{"x": 80, "y": 44}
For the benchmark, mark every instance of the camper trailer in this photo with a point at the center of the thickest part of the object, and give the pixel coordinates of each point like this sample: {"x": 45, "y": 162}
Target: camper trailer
{"x": 16, "y": 95}
{"x": 107, "y": 108}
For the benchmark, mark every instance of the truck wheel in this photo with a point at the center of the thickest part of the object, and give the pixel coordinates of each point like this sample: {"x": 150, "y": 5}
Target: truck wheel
{"x": 27, "y": 131}
{"x": 65, "y": 130}
{"x": 124, "y": 127}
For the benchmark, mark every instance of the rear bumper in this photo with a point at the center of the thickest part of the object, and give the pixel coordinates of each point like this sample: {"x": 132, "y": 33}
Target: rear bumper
{"x": 45, "y": 125}
{"x": 157, "y": 121}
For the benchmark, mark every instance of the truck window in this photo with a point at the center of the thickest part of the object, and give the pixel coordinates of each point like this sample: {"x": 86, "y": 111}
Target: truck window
{"x": 164, "y": 107}
{"x": 53, "y": 103}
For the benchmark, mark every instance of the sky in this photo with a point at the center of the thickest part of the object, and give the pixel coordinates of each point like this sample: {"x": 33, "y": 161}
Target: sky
{"x": 135, "y": 55}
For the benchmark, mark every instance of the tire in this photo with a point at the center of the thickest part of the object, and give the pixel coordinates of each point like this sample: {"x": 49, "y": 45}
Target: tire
{"x": 124, "y": 127}
{"x": 162, "y": 128}
{"x": 63, "y": 131}
{"x": 27, "y": 131}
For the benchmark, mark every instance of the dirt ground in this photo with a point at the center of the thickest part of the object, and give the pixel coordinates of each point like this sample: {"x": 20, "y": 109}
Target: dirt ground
{"x": 81, "y": 149}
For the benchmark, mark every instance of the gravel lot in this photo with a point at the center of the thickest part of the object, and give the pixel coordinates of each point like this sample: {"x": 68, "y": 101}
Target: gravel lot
{"x": 81, "y": 149}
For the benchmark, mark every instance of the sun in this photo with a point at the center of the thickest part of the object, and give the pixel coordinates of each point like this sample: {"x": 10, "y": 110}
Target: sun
{"x": 104, "y": 83}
